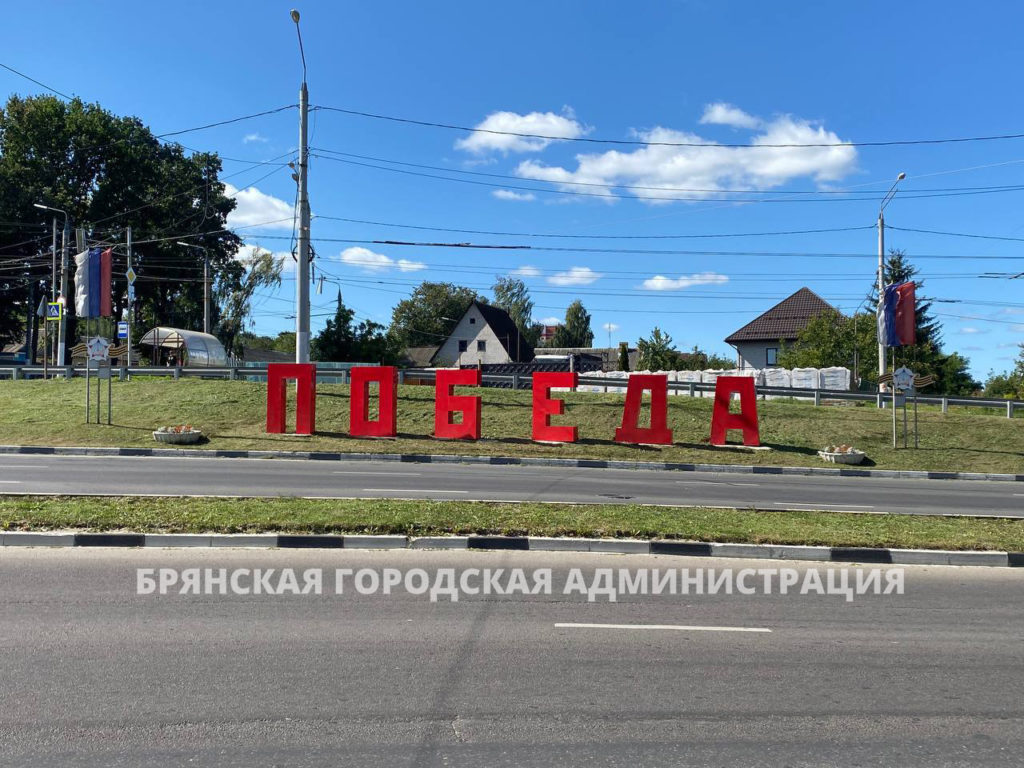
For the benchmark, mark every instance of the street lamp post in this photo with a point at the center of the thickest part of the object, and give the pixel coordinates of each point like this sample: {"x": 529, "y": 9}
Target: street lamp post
{"x": 62, "y": 297}
{"x": 302, "y": 268}
{"x": 882, "y": 362}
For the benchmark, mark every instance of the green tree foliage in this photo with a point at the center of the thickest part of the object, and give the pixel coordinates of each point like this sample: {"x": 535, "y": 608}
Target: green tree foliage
{"x": 262, "y": 270}
{"x": 657, "y": 353}
{"x": 341, "y": 341}
{"x": 699, "y": 360}
{"x": 575, "y": 331}
{"x": 1009, "y": 384}
{"x": 831, "y": 339}
{"x": 512, "y": 295}
{"x": 429, "y": 316}
{"x": 623, "y": 356}
{"x": 926, "y": 355}
{"x": 110, "y": 172}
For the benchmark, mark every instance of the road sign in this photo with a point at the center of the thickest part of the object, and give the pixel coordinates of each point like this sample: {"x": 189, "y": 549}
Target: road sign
{"x": 122, "y": 330}
{"x": 54, "y": 310}
{"x": 98, "y": 348}
{"x": 131, "y": 293}
{"x": 41, "y": 311}
{"x": 130, "y": 274}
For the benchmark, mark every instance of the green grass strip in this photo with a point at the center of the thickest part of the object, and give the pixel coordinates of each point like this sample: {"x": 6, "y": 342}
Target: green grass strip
{"x": 418, "y": 518}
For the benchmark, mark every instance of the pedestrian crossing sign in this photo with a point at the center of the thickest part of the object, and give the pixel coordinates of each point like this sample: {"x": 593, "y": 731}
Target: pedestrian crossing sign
{"x": 53, "y": 310}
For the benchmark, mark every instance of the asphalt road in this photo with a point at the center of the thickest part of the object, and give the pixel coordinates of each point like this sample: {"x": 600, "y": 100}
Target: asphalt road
{"x": 93, "y": 674}
{"x": 278, "y": 477}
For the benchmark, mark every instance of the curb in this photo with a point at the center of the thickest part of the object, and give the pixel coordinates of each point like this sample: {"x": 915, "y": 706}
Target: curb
{"x": 859, "y": 555}
{"x": 525, "y": 461}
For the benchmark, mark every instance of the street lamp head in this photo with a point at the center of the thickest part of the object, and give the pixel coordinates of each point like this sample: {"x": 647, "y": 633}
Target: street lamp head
{"x": 901, "y": 177}
{"x": 295, "y": 15}
{"x": 40, "y": 206}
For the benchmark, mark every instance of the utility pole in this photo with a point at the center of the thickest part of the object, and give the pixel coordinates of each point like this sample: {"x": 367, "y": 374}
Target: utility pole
{"x": 206, "y": 282}
{"x": 53, "y": 296}
{"x": 131, "y": 298}
{"x": 206, "y": 291}
{"x": 62, "y": 325}
{"x": 882, "y": 362}
{"x": 302, "y": 272}
{"x": 882, "y": 367}
{"x": 65, "y": 269}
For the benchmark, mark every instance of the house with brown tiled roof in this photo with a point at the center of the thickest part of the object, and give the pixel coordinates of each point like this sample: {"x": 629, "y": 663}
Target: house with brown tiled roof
{"x": 758, "y": 342}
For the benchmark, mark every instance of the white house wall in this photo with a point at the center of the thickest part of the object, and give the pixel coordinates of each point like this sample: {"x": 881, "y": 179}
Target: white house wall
{"x": 471, "y": 329}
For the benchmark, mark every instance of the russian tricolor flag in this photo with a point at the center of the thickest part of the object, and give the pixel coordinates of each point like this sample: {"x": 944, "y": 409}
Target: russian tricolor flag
{"x": 897, "y": 316}
{"x": 92, "y": 283}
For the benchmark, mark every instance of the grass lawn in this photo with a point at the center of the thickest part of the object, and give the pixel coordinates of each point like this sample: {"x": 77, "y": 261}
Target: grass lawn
{"x": 232, "y": 414}
{"x": 195, "y": 515}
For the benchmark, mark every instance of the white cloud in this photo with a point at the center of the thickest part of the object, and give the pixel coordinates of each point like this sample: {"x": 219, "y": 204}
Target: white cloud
{"x": 1013, "y": 311}
{"x": 971, "y": 330}
{"x": 610, "y": 327}
{"x": 525, "y": 271}
{"x": 257, "y": 138}
{"x": 551, "y": 320}
{"x": 706, "y": 167}
{"x": 575, "y": 276}
{"x": 509, "y": 194}
{"x": 721, "y": 113}
{"x": 973, "y": 349}
{"x": 537, "y": 123}
{"x": 369, "y": 261}
{"x": 258, "y": 210}
{"x": 662, "y": 283}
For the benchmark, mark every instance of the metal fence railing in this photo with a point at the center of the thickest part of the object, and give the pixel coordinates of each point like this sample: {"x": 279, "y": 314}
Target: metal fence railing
{"x": 594, "y": 382}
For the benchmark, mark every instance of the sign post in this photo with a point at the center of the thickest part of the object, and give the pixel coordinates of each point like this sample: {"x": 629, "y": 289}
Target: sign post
{"x": 97, "y": 353}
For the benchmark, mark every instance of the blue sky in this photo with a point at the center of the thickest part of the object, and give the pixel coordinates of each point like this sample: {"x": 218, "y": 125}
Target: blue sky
{"x": 694, "y": 72}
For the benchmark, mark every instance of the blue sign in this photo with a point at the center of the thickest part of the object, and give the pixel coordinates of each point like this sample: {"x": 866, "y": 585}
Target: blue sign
{"x": 122, "y": 330}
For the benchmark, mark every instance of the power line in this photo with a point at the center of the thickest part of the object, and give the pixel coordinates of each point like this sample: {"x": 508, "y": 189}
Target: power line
{"x": 863, "y": 193}
{"x": 594, "y": 237}
{"x": 32, "y": 79}
{"x": 667, "y": 198}
{"x": 226, "y": 122}
{"x": 958, "y": 234}
{"x": 702, "y": 145}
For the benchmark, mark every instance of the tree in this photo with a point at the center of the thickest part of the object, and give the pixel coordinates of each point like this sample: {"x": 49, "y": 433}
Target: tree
{"x": 623, "y": 356}
{"x": 429, "y": 316}
{"x": 925, "y": 356}
{"x": 340, "y": 341}
{"x": 110, "y": 172}
{"x": 262, "y": 270}
{"x": 512, "y": 295}
{"x": 656, "y": 353}
{"x": 699, "y": 360}
{"x": 337, "y": 341}
{"x": 832, "y": 339}
{"x": 1009, "y": 384}
{"x": 575, "y": 331}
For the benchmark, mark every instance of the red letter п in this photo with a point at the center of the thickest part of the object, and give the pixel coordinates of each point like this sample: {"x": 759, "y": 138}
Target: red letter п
{"x": 305, "y": 397}
{"x": 447, "y": 404}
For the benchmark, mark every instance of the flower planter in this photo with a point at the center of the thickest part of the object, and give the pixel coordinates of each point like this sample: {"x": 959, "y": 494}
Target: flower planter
{"x": 178, "y": 438}
{"x": 843, "y": 457}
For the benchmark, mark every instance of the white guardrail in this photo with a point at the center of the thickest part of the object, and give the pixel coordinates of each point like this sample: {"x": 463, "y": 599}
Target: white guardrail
{"x": 593, "y": 382}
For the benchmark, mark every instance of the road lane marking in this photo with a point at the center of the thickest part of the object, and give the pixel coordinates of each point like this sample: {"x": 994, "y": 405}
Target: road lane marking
{"x": 677, "y": 627}
{"x": 819, "y": 506}
{"x": 718, "y": 482}
{"x": 24, "y": 466}
{"x": 385, "y": 474}
{"x": 408, "y": 490}
{"x": 11, "y": 482}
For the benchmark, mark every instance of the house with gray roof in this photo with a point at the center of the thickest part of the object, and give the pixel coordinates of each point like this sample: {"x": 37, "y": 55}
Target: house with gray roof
{"x": 484, "y": 335}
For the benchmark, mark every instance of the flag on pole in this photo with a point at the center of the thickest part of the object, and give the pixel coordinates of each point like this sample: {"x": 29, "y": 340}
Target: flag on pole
{"x": 92, "y": 283}
{"x": 896, "y": 315}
